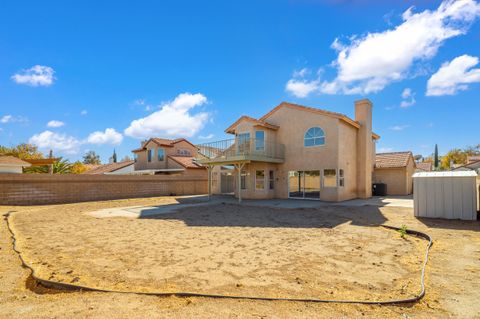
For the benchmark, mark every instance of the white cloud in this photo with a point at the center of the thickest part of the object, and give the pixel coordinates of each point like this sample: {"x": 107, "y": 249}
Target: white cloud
{"x": 48, "y": 140}
{"x": 12, "y": 119}
{"x": 454, "y": 76}
{"x": 174, "y": 119}
{"x": 54, "y": 123}
{"x": 301, "y": 88}
{"x": 206, "y": 137}
{"x": 408, "y": 97}
{"x": 110, "y": 136}
{"x": 399, "y": 127}
{"x": 301, "y": 73}
{"x": 84, "y": 112}
{"x": 368, "y": 63}
{"x": 6, "y": 119}
{"x": 38, "y": 75}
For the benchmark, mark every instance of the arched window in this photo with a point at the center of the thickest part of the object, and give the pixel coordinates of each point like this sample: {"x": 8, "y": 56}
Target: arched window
{"x": 314, "y": 137}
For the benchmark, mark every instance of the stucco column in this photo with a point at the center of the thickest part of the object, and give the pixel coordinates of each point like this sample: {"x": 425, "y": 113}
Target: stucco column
{"x": 365, "y": 159}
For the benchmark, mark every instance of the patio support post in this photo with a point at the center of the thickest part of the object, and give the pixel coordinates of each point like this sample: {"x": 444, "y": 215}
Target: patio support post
{"x": 239, "y": 167}
{"x": 209, "y": 170}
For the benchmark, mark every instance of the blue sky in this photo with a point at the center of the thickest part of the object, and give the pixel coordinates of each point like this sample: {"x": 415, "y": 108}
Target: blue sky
{"x": 77, "y": 76}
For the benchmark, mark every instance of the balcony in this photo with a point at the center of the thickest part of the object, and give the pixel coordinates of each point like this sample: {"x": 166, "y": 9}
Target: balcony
{"x": 240, "y": 150}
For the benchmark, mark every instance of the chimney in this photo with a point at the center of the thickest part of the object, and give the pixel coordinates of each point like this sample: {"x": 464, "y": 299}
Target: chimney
{"x": 365, "y": 150}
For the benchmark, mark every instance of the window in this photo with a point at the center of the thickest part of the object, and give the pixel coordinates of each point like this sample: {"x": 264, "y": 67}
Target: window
{"x": 160, "y": 154}
{"x": 149, "y": 155}
{"x": 271, "y": 180}
{"x": 183, "y": 152}
{"x": 260, "y": 180}
{"x": 243, "y": 142}
{"x": 329, "y": 178}
{"x": 314, "y": 137}
{"x": 135, "y": 157}
{"x": 259, "y": 140}
{"x": 341, "y": 179}
{"x": 243, "y": 180}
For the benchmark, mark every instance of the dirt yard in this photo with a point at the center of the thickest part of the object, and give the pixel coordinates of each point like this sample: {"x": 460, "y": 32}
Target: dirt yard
{"x": 329, "y": 253}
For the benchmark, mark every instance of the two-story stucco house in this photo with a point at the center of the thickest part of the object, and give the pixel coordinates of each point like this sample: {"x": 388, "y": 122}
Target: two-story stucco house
{"x": 166, "y": 156}
{"x": 300, "y": 152}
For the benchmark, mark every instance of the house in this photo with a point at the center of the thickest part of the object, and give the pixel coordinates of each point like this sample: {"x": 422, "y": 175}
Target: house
{"x": 471, "y": 165}
{"x": 12, "y": 164}
{"x": 424, "y": 166}
{"x": 167, "y": 156}
{"x": 395, "y": 170}
{"x": 120, "y": 168}
{"x": 299, "y": 152}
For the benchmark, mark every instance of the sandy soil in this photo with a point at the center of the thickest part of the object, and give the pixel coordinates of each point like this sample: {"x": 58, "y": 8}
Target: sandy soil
{"x": 331, "y": 252}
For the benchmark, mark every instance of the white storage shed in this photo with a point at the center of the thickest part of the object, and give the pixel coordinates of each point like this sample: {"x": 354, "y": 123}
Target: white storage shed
{"x": 449, "y": 195}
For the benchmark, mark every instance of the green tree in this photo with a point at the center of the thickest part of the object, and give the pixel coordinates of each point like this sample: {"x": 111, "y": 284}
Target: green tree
{"x": 114, "y": 156}
{"x": 22, "y": 151}
{"x": 91, "y": 158}
{"x": 435, "y": 156}
{"x": 61, "y": 166}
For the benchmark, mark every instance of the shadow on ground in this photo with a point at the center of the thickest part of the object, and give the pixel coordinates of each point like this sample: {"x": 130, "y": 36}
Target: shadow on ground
{"x": 234, "y": 215}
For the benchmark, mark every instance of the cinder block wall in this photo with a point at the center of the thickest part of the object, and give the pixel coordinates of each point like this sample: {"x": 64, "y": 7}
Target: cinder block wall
{"x": 39, "y": 189}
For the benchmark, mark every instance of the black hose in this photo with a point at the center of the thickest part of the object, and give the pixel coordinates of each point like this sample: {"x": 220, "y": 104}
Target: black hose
{"x": 73, "y": 287}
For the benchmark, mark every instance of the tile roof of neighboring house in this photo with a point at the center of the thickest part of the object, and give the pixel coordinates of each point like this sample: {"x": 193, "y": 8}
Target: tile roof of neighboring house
{"x": 161, "y": 142}
{"x": 7, "y": 160}
{"x": 392, "y": 160}
{"x": 186, "y": 161}
{"x": 472, "y": 165}
{"x": 424, "y": 166}
{"x": 253, "y": 120}
{"x": 336, "y": 115}
{"x": 473, "y": 158}
{"x": 108, "y": 168}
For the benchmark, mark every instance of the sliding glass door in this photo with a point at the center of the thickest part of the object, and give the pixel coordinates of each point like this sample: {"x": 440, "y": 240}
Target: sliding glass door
{"x": 304, "y": 184}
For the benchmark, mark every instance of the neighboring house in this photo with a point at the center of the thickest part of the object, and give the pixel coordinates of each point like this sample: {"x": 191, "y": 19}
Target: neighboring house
{"x": 473, "y": 158}
{"x": 396, "y": 170}
{"x": 12, "y": 164}
{"x": 471, "y": 166}
{"x": 165, "y": 156}
{"x": 120, "y": 168}
{"x": 299, "y": 152}
{"x": 424, "y": 166}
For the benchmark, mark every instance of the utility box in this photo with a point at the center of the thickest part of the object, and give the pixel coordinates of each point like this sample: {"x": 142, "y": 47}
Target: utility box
{"x": 448, "y": 195}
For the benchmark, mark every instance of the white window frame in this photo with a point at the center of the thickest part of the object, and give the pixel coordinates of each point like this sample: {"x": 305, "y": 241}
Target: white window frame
{"x": 163, "y": 156}
{"x": 262, "y": 148}
{"x": 258, "y": 180}
{"x": 313, "y": 138}
{"x": 149, "y": 155}
{"x": 323, "y": 178}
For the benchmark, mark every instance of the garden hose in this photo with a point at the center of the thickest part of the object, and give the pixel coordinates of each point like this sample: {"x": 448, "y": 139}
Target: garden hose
{"x": 73, "y": 287}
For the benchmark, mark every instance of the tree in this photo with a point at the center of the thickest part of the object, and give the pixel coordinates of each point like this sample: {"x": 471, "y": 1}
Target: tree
{"x": 78, "y": 168}
{"x": 61, "y": 166}
{"x": 91, "y": 158}
{"x": 126, "y": 158}
{"x": 455, "y": 156}
{"x": 22, "y": 151}
{"x": 114, "y": 156}
{"x": 435, "y": 161}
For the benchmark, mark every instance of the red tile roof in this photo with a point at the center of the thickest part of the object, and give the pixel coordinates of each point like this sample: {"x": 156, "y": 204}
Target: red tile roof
{"x": 12, "y": 160}
{"x": 108, "y": 168}
{"x": 161, "y": 142}
{"x": 393, "y": 160}
{"x": 424, "y": 166}
{"x": 186, "y": 161}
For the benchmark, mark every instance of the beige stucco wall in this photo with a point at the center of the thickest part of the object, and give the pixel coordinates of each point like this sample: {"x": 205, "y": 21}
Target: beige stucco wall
{"x": 399, "y": 180}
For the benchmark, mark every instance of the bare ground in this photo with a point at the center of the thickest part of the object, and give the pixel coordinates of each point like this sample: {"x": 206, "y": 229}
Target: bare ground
{"x": 330, "y": 252}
